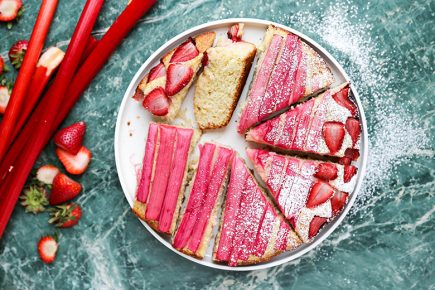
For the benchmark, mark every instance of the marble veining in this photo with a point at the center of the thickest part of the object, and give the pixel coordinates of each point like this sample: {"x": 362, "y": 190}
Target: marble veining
{"x": 387, "y": 48}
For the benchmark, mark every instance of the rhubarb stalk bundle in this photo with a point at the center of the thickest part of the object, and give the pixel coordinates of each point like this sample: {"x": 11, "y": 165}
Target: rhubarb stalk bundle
{"x": 18, "y": 163}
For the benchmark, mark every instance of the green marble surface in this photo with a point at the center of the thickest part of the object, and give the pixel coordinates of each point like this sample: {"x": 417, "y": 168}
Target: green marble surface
{"x": 387, "y": 241}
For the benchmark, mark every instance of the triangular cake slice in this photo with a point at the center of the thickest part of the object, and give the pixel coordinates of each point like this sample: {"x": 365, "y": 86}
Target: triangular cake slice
{"x": 309, "y": 193}
{"x": 163, "y": 177}
{"x": 288, "y": 70}
{"x": 220, "y": 85}
{"x": 164, "y": 88}
{"x": 324, "y": 125}
{"x": 251, "y": 231}
{"x": 199, "y": 217}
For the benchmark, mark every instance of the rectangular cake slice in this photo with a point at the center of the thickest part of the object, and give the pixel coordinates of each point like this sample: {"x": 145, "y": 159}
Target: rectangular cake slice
{"x": 288, "y": 70}
{"x": 199, "y": 217}
{"x": 164, "y": 88}
{"x": 309, "y": 193}
{"x": 163, "y": 179}
{"x": 251, "y": 231}
{"x": 324, "y": 125}
{"x": 219, "y": 86}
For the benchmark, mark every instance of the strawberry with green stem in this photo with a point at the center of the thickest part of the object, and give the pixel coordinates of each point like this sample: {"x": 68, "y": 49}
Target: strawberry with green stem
{"x": 65, "y": 216}
{"x": 17, "y": 52}
{"x": 34, "y": 199}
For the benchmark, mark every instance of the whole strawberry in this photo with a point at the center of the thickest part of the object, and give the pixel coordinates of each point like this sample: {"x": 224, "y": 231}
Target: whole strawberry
{"x": 63, "y": 189}
{"x": 17, "y": 52}
{"x": 34, "y": 199}
{"x": 70, "y": 138}
{"x": 65, "y": 216}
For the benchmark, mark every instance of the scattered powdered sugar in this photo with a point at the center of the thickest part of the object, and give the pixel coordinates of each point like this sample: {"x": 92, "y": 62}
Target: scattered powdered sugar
{"x": 395, "y": 133}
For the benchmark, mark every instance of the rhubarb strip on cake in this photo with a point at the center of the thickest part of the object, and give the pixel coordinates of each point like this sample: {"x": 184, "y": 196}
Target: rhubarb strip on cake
{"x": 326, "y": 125}
{"x": 164, "y": 88}
{"x": 220, "y": 85}
{"x": 199, "y": 217}
{"x": 288, "y": 70}
{"x": 161, "y": 186}
{"x": 251, "y": 231}
{"x": 309, "y": 193}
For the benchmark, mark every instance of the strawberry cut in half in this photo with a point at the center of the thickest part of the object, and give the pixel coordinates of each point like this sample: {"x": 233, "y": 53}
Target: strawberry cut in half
{"x": 47, "y": 173}
{"x": 4, "y": 98}
{"x": 349, "y": 172}
{"x": 17, "y": 52}
{"x": 185, "y": 52}
{"x": 315, "y": 225}
{"x": 47, "y": 249}
{"x": 342, "y": 98}
{"x": 65, "y": 216}
{"x": 70, "y": 138}
{"x": 9, "y": 9}
{"x": 157, "y": 102}
{"x": 353, "y": 127}
{"x": 326, "y": 171}
{"x": 179, "y": 76}
{"x": 64, "y": 189}
{"x": 338, "y": 201}
{"x": 319, "y": 193}
{"x": 157, "y": 72}
{"x": 333, "y": 133}
{"x": 75, "y": 164}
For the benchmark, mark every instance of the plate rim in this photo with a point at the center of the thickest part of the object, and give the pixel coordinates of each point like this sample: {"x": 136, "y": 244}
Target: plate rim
{"x": 364, "y": 143}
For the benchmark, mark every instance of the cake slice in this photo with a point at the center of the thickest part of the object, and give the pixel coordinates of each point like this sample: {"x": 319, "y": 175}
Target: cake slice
{"x": 220, "y": 85}
{"x": 324, "y": 125}
{"x": 164, "y": 88}
{"x": 161, "y": 186}
{"x": 199, "y": 217}
{"x": 288, "y": 70}
{"x": 309, "y": 193}
{"x": 251, "y": 231}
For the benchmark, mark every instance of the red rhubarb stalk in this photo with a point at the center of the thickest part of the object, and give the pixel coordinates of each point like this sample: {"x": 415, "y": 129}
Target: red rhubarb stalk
{"x": 43, "y": 130}
{"x": 89, "y": 69}
{"x": 90, "y": 45}
{"x": 184, "y": 137}
{"x": 93, "y": 64}
{"x": 47, "y": 64}
{"x": 161, "y": 176}
{"x": 37, "y": 39}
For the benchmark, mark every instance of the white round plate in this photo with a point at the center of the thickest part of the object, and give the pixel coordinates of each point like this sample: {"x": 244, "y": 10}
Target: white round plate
{"x": 132, "y": 129}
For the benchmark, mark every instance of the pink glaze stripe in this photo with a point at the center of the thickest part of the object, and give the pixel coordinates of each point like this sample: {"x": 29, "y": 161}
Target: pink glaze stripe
{"x": 162, "y": 171}
{"x": 302, "y": 128}
{"x": 147, "y": 166}
{"x": 196, "y": 198}
{"x": 184, "y": 137}
{"x": 265, "y": 232}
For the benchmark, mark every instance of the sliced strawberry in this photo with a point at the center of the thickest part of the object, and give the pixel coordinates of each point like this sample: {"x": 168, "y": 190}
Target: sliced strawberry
{"x": 338, "y": 201}
{"x": 17, "y": 52}
{"x": 9, "y": 9}
{"x": 4, "y": 98}
{"x": 179, "y": 75}
{"x": 353, "y": 127}
{"x": 75, "y": 164}
{"x": 65, "y": 216}
{"x": 326, "y": 171}
{"x": 352, "y": 153}
{"x": 315, "y": 225}
{"x": 47, "y": 173}
{"x": 235, "y": 32}
{"x": 63, "y": 189}
{"x": 319, "y": 193}
{"x": 157, "y": 102}
{"x": 333, "y": 132}
{"x": 138, "y": 95}
{"x": 342, "y": 98}
{"x": 70, "y": 138}
{"x": 157, "y": 72}
{"x": 47, "y": 249}
{"x": 349, "y": 172}
{"x": 345, "y": 160}
{"x": 185, "y": 52}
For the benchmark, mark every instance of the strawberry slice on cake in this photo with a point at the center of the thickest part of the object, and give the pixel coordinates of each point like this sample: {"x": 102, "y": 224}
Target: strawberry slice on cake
{"x": 164, "y": 88}
{"x": 164, "y": 176}
{"x": 199, "y": 217}
{"x": 309, "y": 193}
{"x": 251, "y": 231}
{"x": 288, "y": 70}
{"x": 324, "y": 125}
